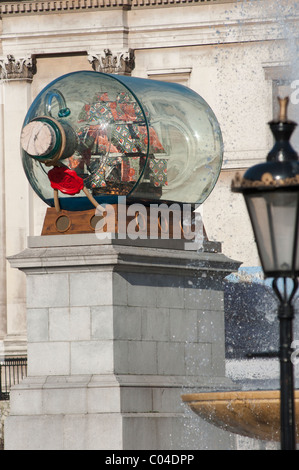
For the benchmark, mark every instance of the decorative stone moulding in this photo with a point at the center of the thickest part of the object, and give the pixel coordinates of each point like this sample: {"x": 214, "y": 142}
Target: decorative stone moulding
{"x": 122, "y": 62}
{"x": 17, "y": 68}
{"x": 39, "y": 7}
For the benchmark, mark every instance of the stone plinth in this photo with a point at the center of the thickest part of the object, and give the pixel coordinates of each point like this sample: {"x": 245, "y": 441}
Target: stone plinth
{"x": 117, "y": 330}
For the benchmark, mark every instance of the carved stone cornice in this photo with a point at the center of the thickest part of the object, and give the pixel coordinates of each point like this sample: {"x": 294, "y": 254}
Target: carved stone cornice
{"x": 121, "y": 63}
{"x": 52, "y": 6}
{"x": 17, "y": 68}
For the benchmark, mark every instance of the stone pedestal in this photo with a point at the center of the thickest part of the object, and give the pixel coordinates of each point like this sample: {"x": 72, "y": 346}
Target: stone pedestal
{"x": 117, "y": 331}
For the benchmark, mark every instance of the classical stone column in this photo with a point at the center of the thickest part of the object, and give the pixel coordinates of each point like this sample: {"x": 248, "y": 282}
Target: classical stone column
{"x": 3, "y": 318}
{"x": 117, "y": 331}
{"x": 16, "y": 75}
{"x": 119, "y": 62}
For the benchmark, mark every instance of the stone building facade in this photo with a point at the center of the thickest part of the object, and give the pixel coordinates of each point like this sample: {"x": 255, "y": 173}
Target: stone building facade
{"x": 237, "y": 55}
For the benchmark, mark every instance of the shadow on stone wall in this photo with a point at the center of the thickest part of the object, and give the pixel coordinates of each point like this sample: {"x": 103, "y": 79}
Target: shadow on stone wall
{"x": 4, "y": 411}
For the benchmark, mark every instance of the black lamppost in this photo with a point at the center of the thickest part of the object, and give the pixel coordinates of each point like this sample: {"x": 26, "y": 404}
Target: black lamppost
{"x": 271, "y": 193}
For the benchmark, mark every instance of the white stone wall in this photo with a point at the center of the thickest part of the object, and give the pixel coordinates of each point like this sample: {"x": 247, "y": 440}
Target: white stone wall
{"x": 224, "y": 50}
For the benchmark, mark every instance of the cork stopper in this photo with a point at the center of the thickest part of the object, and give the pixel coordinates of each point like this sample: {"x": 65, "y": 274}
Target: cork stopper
{"x": 38, "y": 138}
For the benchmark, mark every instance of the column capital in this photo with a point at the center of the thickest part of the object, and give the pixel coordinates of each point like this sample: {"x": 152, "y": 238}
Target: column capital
{"x": 17, "y": 68}
{"x": 120, "y": 62}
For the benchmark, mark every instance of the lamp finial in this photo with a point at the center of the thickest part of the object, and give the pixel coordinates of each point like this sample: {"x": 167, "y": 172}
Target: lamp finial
{"x": 283, "y": 108}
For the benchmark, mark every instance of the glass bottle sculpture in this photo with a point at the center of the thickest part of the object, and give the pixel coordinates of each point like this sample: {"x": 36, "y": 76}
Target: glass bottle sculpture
{"x": 95, "y": 136}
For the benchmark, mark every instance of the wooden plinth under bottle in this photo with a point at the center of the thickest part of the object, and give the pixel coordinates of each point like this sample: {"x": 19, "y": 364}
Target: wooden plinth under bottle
{"x": 118, "y": 220}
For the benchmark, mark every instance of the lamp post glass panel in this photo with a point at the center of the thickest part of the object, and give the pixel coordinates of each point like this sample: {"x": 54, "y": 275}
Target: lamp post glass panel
{"x": 271, "y": 193}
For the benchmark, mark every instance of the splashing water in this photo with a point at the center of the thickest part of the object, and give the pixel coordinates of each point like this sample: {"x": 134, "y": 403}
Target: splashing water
{"x": 277, "y": 20}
